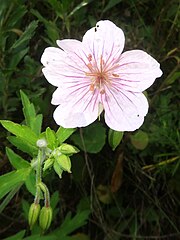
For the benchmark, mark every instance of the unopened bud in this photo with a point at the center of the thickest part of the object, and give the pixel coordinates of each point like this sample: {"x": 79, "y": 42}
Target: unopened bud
{"x": 57, "y": 169}
{"x": 68, "y": 149}
{"x": 41, "y": 143}
{"x": 45, "y": 218}
{"x": 48, "y": 164}
{"x": 64, "y": 162}
{"x": 33, "y": 214}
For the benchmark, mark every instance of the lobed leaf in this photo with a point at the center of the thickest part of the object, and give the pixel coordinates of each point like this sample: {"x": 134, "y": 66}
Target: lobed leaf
{"x": 23, "y": 146}
{"x": 51, "y": 138}
{"x": 32, "y": 120}
{"x": 12, "y": 179}
{"x": 64, "y": 133}
{"x": 16, "y": 161}
{"x": 21, "y": 131}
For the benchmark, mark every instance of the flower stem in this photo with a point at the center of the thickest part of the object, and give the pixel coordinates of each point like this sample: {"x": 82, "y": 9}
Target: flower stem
{"x": 45, "y": 189}
{"x": 40, "y": 160}
{"x": 38, "y": 167}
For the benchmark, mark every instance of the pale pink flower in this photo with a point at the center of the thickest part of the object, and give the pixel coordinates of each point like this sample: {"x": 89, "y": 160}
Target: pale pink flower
{"x": 94, "y": 75}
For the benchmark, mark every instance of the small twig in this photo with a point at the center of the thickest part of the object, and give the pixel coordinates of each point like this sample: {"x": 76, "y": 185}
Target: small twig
{"x": 99, "y": 213}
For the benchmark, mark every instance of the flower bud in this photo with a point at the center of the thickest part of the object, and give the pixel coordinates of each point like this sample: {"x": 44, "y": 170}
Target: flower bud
{"x": 41, "y": 143}
{"x": 68, "y": 149}
{"x": 48, "y": 164}
{"x": 64, "y": 162}
{"x": 33, "y": 214}
{"x": 45, "y": 218}
{"x": 57, "y": 169}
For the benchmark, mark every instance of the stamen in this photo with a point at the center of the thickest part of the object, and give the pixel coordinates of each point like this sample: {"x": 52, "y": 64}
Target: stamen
{"x": 91, "y": 87}
{"x": 101, "y": 64}
{"x": 89, "y": 65}
{"x": 91, "y": 74}
{"x": 90, "y": 57}
{"x": 99, "y": 78}
{"x": 102, "y": 91}
{"x": 115, "y": 75}
{"x": 100, "y": 109}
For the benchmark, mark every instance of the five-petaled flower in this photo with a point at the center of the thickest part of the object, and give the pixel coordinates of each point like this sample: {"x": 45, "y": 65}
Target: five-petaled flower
{"x": 94, "y": 75}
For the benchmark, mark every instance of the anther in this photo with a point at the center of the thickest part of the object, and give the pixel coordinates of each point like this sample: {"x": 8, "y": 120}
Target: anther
{"x": 102, "y": 91}
{"x": 89, "y": 65}
{"x": 115, "y": 75}
{"x": 90, "y": 57}
{"x": 91, "y": 87}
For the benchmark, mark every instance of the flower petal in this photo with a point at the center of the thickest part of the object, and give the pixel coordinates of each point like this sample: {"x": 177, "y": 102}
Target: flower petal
{"x": 76, "y": 51}
{"x": 69, "y": 45}
{"x": 52, "y": 58}
{"x": 79, "y": 108}
{"x": 52, "y": 54}
{"x": 64, "y": 93}
{"x": 61, "y": 67}
{"x": 137, "y": 70}
{"x": 124, "y": 111}
{"x": 105, "y": 41}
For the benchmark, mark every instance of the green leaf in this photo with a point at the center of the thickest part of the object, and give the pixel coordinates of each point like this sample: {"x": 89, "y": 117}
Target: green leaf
{"x": 39, "y": 237}
{"x": 9, "y": 196}
{"x": 173, "y": 77}
{"x": 64, "y": 133}
{"x": 140, "y": 140}
{"x": 94, "y": 138}
{"x": 111, "y": 4}
{"x": 80, "y": 236}
{"x": 25, "y": 208}
{"x": 31, "y": 183}
{"x": 32, "y": 120}
{"x": 17, "y": 236}
{"x": 16, "y": 161}
{"x": 79, "y": 6}
{"x": 37, "y": 124}
{"x": 16, "y": 15}
{"x": 114, "y": 138}
{"x": 17, "y": 57}
{"x": 21, "y": 131}
{"x": 28, "y": 109}
{"x": 51, "y": 27}
{"x": 55, "y": 198}
{"x": 23, "y": 146}
{"x": 25, "y": 37}
{"x": 71, "y": 224}
{"x": 51, "y": 138}
{"x": 57, "y": 6}
{"x": 10, "y": 180}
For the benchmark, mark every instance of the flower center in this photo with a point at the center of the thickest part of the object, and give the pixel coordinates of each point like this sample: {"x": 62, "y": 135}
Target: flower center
{"x": 99, "y": 77}
{"x": 101, "y": 74}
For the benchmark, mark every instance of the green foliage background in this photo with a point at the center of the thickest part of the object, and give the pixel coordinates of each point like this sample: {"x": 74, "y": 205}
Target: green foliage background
{"x": 145, "y": 201}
